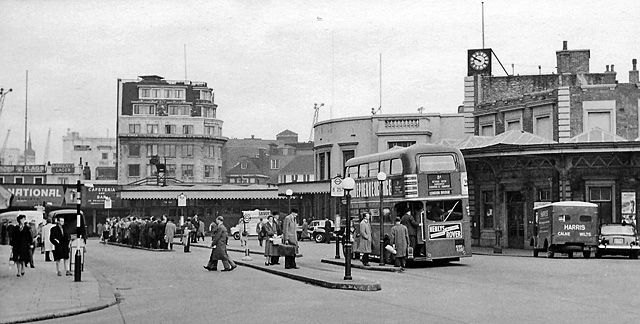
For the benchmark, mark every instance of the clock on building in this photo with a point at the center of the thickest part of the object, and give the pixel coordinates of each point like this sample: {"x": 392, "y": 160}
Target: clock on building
{"x": 479, "y": 61}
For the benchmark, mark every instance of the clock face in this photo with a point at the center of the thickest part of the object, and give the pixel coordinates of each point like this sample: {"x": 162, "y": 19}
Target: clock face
{"x": 479, "y": 60}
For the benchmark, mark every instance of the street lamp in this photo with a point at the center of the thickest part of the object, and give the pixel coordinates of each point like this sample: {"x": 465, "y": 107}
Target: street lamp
{"x": 348, "y": 184}
{"x": 381, "y": 178}
{"x": 289, "y": 193}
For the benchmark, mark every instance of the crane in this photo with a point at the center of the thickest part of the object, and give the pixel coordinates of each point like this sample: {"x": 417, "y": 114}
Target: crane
{"x": 2, "y": 95}
{"x": 4, "y": 145}
{"x": 46, "y": 147}
{"x": 316, "y": 112}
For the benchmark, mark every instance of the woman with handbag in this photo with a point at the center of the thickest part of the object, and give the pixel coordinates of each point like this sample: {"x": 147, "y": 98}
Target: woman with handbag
{"x": 270, "y": 228}
{"x": 22, "y": 243}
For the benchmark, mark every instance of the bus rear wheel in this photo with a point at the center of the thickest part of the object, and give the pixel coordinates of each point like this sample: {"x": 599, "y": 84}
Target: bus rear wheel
{"x": 550, "y": 254}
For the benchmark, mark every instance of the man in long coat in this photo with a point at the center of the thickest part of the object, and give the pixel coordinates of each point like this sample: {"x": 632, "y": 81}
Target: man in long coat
{"x": 364, "y": 239}
{"x": 219, "y": 242}
{"x": 400, "y": 239}
{"x": 412, "y": 226}
{"x": 48, "y": 246}
{"x": 290, "y": 237}
{"x": 169, "y": 233}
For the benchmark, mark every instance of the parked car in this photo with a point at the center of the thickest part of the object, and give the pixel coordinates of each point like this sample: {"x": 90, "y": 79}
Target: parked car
{"x": 317, "y": 231}
{"x": 618, "y": 239}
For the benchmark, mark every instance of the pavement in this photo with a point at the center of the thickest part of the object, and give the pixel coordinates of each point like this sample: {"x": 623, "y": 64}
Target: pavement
{"x": 41, "y": 294}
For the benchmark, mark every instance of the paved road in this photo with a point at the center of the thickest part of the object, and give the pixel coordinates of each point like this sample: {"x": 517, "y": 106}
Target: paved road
{"x": 173, "y": 287}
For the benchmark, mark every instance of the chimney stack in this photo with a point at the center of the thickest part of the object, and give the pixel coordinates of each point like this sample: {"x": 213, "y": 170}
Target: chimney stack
{"x": 564, "y": 45}
{"x": 607, "y": 70}
{"x": 633, "y": 74}
{"x": 612, "y": 68}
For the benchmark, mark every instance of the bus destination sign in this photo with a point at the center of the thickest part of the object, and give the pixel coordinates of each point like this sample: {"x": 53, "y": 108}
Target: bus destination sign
{"x": 439, "y": 184}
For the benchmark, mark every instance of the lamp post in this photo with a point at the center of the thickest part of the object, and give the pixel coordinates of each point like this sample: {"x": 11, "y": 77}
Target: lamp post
{"x": 348, "y": 184}
{"x": 77, "y": 271}
{"x": 381, "y": 178}
{"x": 289, "y": 193}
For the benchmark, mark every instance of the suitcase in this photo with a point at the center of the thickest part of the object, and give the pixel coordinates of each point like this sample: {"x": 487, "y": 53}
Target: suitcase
{"x": 287, "y": 250}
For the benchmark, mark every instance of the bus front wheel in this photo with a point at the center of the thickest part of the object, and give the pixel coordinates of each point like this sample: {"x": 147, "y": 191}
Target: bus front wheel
{"x": 550, "y": 254}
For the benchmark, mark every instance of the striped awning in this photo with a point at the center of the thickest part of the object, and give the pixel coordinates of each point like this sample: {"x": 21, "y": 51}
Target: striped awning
{"x": 202, "y": 194}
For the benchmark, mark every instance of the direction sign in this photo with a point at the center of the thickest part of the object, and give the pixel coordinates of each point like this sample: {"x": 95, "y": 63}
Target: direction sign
{"x": 182, "y": 200}
{"x": 107, "y": 203}
{"x": 336, "y": 187}
{"x": 247, "y": 217}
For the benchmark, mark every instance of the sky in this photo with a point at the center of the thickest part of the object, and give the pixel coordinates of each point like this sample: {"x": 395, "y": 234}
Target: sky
{"x": 269, "y": 62}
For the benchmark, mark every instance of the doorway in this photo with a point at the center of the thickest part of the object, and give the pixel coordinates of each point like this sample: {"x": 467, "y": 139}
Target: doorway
{"x": 603, "y": 197}
{"x": 515, "y": 219}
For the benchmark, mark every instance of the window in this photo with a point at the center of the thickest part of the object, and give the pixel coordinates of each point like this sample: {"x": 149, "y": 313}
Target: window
{"x": 134, "y": 170}
{"x": 152, "y": 129}
{"x": 210, "y": 151}
{"x": 63, "y": 180}
{"x": 363, "y": 170}
{"x": 134, "y": 128}
{"x": 187, "y": 170}
{"x": 156, "y": 93}
{"x": 169, "y": 150}
{"x": 170, "y": 129}
{"x": 208, "y": 112}
{"x": 144, "y": 93}
{"x": 144, "y": 109}
{"x": 187, "y": 150}
{"x": 82, "y": 148}
{"x": 152, "y": 149}
{"x": 543, "y": 127}
{"x": 179, "y": 94}
{"x": 487, "y": 209}
{"x": 430, "y": 163}
{"x": 600, "y": 114}
{"x": 513, "y": 125}
{"x": 401, "y": 144}
{"x": 134, "y": 150}
{"x": 18, "y": 180}
{"x": 599, "y": 194}
{"x": 210, "y": 130}
{"x": 486, "y": 130}
{"x": 1, "y": 180}
{"x": 115, "y": 156}
{"x": 187, "y": 129}
{"x": 171, "y": 170}
{"x": 544, "y": 194}
{"x": 38, "y": 180}
{"x": 205, "y": 95}
{"x": 353, "y": 172}
{"x": 275, "y": 164}
{"x": 373, "y": 169}
{"x": 180, "y": 110}
{"x": 321, "y": 166}
{"x": 105, "y": 156}
{"x": 346, "y": 155}
{"x": 167, "y": 93}
{"x": 396, "y": 167}
{"x": 208, "y": 171}
{"x": 243, "y": 165}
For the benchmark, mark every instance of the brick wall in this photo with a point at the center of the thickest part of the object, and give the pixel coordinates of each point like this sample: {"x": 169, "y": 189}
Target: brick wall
{"x": 498, "y": 88}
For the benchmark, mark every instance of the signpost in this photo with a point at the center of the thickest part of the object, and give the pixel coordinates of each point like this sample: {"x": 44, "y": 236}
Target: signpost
{"x": 182, "y": 202}
{"x": 246, "y": 218}
{"x": 107, "y": 205}
{"x": 337, "y": 190}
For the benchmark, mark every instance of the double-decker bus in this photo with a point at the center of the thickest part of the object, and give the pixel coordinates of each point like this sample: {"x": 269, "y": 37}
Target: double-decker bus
{"x": 428, "y": 180}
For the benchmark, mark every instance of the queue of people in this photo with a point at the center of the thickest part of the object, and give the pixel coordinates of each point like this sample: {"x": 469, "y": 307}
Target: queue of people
{"x": 152, "y": 232}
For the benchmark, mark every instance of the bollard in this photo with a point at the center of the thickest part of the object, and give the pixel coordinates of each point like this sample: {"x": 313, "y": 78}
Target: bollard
{"x": 77, "y": 270}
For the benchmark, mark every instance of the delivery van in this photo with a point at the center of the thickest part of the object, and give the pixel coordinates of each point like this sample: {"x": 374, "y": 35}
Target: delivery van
{"x": 249, "y": 220}
{"x": 565, "y": 227}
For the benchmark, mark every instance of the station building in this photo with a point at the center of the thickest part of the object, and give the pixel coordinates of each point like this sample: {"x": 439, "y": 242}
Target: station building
{"x": 571, "y": 135}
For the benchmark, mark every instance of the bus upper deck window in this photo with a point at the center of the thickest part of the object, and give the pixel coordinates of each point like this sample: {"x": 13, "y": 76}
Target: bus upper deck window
{"x": 396, "y": 166}
{"x": 429, "y": 163}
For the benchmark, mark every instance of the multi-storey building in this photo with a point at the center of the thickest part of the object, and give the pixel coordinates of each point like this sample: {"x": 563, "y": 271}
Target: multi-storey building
{"x": 570, "y": 135}
{"x": 97, "y": 153}
{"x": 174, "y": 121}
